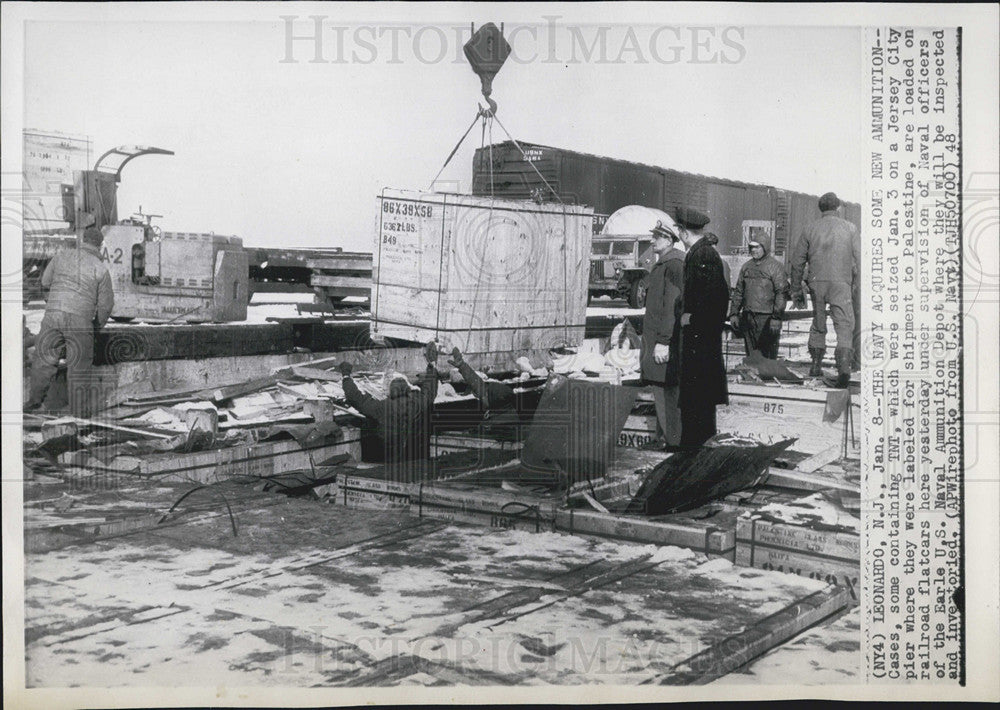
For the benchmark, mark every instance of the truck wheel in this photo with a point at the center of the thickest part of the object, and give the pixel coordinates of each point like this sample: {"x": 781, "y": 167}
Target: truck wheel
{"x": 637, "y": 294}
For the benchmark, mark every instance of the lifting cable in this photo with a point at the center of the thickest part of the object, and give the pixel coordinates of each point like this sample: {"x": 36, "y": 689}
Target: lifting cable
{"x": 457, "y": 146}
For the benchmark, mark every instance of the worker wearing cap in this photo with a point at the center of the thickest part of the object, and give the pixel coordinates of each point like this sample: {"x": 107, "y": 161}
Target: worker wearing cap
{"x": 499, "y": 402}
{"x": 831, "y": 248}
{"x": 702, "y": 310}
{"x": 80, "y": 299}
{"x": 659, "y": 369}
{"x": 759, "y": 299}
{"x": 403, "y": 419}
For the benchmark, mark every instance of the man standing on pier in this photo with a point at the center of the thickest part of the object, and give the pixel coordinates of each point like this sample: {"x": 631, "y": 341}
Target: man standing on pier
{"x": 759, "y": 300}
{"x": 702, "y": 310}
{"x": 831, "y": 248}
{"x": 80, "y": 299}
{"x": 659, "y": 369}
{"x": 403, "y": 419}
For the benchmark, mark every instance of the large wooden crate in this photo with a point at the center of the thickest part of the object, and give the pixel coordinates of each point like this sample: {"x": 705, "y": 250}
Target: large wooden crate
{"x": 485, "y": 275}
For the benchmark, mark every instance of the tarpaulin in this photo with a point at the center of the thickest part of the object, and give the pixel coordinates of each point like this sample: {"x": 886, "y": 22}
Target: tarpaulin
{"x": 690, "y": 478}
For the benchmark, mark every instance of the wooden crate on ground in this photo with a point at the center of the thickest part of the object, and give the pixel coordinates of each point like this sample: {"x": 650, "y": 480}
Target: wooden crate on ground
{"x": 254, "y": 460}
{"x": 826, "y": 555}
{"x": 485, "y": 275}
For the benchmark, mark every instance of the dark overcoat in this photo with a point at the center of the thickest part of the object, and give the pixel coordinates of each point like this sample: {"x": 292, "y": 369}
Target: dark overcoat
{"x": 706, "y": 298}
{"x": 666, "y": 279}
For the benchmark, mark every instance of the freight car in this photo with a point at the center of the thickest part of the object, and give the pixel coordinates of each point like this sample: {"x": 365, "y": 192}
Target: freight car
{"x": 739, "y": 210}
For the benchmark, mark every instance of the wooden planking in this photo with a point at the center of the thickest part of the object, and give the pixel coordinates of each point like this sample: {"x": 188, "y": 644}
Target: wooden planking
{"x": 362, "y": 284}
{"x": 666, "y": 530}
{"x": 735, "y": 651}
{"x": 346, "y": 262}
{"x": 762, "y": 412}
{"x": 809, "y": 481}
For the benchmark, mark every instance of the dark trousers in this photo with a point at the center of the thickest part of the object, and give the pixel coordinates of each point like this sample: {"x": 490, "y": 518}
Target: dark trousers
{"x": 757, "y": 334}
{"x": 697, "y": 424}
{"x": 64, "y": 335}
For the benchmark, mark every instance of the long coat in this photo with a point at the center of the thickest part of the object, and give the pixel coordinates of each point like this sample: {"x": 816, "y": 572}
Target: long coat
{"x": 706, "y": 298}
{"x": 666, "y": 279}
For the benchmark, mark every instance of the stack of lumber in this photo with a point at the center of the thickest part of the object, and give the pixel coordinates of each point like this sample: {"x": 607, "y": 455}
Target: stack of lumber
{"x": 337, "y": 276}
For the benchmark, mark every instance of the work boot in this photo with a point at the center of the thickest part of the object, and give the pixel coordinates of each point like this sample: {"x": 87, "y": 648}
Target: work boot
{"x": 843, "y": 358}
{"x": 817, "y": 362}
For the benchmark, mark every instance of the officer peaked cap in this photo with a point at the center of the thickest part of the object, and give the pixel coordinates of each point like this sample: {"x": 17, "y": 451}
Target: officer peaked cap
{"x": 691, "y": 218}
{"x": 662, "y": 230}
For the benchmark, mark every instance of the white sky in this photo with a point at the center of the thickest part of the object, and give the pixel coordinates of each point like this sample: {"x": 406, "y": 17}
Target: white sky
{"x": 293, "y": 154}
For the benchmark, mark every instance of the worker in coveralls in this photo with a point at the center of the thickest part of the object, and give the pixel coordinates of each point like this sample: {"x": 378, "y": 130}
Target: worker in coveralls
{"x": 79, "y": 301}
{"x": 499, "y": 402}
{"x": 831, "y": 248}
{"x": 665, "y": 281}
{"x": 759, "y": 299}
{"x": 702, "y": 308}
{"x": 403, "y": 420}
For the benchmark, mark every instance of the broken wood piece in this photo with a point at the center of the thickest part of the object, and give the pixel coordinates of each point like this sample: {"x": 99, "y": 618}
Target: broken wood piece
{"x": 817, "y": 461}
{"x": 250, "y": 386}
{"x": 313, "y": 373}
{"x": 321, "y": 409}
{"x": 117, "y": 427}
{"x": 594, "y": 503}
{"x": 808, "y": 481}
{"x": 58, "y": 427}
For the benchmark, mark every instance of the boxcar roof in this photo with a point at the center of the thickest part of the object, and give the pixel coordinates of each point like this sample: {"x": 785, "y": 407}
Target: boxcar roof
{"x": 699, "y": 176}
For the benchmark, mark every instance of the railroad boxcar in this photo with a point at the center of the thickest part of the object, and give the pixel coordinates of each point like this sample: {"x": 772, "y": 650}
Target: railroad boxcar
{"x": 739, "y": 210}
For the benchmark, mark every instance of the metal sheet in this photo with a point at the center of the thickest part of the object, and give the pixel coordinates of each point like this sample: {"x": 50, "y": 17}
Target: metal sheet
{"x": 576, "y": 427}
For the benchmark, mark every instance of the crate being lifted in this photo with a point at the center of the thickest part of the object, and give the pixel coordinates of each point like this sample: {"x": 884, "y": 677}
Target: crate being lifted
{"x": 486, "y": 275}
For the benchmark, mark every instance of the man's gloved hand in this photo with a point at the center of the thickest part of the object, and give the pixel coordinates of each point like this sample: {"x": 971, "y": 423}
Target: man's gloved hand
{"x": 456, "y": 357}
{"x": 799, "y": 300}
{"x": 345, "y": 368}
{"x": 774, "y": 324}
{"x": 686, "y": 319}
{"x": 661, "y": 353}
{"x": 734, "y": 323}
{"x": 431, "y": 352}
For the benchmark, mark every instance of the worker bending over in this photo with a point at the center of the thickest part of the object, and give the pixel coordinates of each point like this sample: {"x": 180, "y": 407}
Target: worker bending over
{"x": 499, "y": 402}
{"x": 403, "y": 419}
{"x": 759, "y": 299}
{"x": 831, "y": 248}
{"x": 79, "y": 300}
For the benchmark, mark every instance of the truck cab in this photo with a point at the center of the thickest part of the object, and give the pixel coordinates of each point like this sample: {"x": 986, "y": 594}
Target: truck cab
{"x": 619, "y": 265}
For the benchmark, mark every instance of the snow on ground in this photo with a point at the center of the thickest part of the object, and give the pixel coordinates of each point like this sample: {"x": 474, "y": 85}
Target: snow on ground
{"x": 407, "y": 598}
{"x": 816, "y": 508}
{"x": 827, "y": 654}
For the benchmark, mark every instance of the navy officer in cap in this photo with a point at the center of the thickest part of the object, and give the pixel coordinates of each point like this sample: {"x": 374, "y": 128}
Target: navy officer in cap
{"x": 659, "y": 369}
{"x": 702, "y": 314}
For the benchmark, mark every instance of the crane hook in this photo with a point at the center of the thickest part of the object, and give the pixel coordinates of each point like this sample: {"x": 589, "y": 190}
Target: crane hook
{"x": 486, "y": 51}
